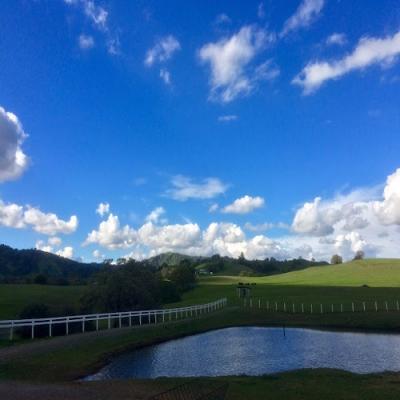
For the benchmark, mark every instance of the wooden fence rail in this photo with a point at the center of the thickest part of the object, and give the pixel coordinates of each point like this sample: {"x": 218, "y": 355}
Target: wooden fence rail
{"x": 128, "y": 318}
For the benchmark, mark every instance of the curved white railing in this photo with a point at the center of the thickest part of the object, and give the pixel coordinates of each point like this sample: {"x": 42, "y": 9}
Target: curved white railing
{"x": 130, "y": 317}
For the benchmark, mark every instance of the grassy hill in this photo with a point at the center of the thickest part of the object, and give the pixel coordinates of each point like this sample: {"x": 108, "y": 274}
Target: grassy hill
{"x": 328, "y": 284}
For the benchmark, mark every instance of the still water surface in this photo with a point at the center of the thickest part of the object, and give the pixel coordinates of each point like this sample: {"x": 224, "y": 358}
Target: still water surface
{"x": 258, "y": 351}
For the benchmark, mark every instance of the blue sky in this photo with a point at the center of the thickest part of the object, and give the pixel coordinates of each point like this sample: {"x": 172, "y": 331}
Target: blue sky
{"x": 269, "y": 128}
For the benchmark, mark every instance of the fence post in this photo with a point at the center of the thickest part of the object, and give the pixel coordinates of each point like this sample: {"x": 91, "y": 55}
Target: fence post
{"x": 50, "y": 328}
{"x": 284, "y": 306}
{"x": 130, "y": 319}
{"x": 352, "y": 306}
{"x": 140, "y": 318}
{"x": 311, "y": 308}
{"x": 364, "y": 306}
{"x": 67, "y": 326}
{"x": 302, "y": 308}
{"x": 97, "y": 322}
{"x": 386, "y": 305}
{"x": 332, "y": 307}
{"x": 397, "y": 303}
{"x": 376, "y": 306}
{"x": 12, "y": 330}
{"x": 33, "y": 329}
{"x": 109, "y": 321}
{"x": 321, "y": 309}
{"x": 83, "y": 324}
{"x": 294, "y": 310}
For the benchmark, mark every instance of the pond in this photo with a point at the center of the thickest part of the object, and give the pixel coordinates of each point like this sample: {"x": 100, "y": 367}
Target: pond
{"x": 257, "y": 351}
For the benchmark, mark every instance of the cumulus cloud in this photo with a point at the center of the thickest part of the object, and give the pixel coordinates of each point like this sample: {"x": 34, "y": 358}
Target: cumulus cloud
{"x": 363, "y": 219}
{"x": 111, "y": 235}
{"x": 313, "y": 219}
{"x": 388, "y": 210}
{"x": 17, "y": 216}
{"x": 169, "y": 237}
{"x": 86, "y": 42}
{"x": 368, "y": 52}
{"x": 338, "y": 39}
{"x": 162, "y": 51}
{"x": 49, "y": 223}
{"x": 13, "y": 161}
{"x": 307, "y": 12}
{"x": 244, "y": 205}
{"x": 103, "y": 209}
{"x": 231, "y": 63}
{"x": 52, "y": 246}
{"x": 66, "y": 252}
{"x": 183, "y": 188}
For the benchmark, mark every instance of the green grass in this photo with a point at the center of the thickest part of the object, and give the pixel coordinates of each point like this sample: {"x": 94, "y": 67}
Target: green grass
{"x": 13, "y": 298}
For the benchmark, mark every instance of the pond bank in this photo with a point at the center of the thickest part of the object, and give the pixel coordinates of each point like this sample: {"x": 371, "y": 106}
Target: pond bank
{"x": 69, "y": 358}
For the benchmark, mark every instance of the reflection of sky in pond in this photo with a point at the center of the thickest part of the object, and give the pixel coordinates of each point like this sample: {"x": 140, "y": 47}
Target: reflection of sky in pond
{"x": 257, "y": 351}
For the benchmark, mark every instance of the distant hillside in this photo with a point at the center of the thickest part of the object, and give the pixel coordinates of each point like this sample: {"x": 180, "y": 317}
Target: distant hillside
{"x": 171, "y": 259}
{"x": 370, "y": 272}
{"x": 41, "y": 267}
{"x": 218, "y": 265}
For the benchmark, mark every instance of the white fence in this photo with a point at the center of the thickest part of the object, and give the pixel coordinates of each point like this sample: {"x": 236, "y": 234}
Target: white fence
{"x": 322, "y": 308}
{"x": 127, "y": 318}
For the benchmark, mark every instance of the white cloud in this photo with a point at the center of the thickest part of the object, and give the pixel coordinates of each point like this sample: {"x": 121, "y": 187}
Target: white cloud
{"x": 169, "y": 237}
{"x": 312, "y": 219}
{"x": 49, "y": 223}
{"x": 16, "y": 216}
{"x": 227, "y": 118}
{"x": 163, "y": 50}
{"x": 230, "y": 59}
{"x": 368, "y": 52}
{"x": 52, "y": 245}
{"x": 364, "y": 219}
{"x": 338, "y": 39}
{"x": 244, "y": 205}
{"x": 155, "y": 215}
{"x": 103, "y": 209}
{"x": 99, "y": 17}
{"x": 13, "y": 161}
{"x": 11, "y": 215}
{"x": 388, "y": 210}
{"x": 307, "y": 12}
{"x": 184, "y": 188}
{"x": 111, "y": 235}
{"x": 66, "y": 252}
{"x": 165, "y": 76}
{"x": 85, "y": 42}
